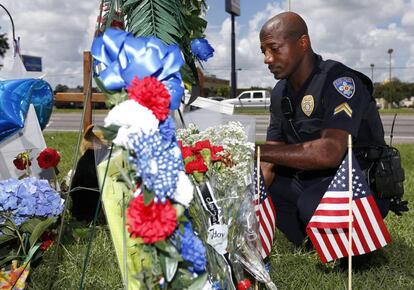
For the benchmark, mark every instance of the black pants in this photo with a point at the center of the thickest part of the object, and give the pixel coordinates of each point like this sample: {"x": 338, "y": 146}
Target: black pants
{"x": 296, "y": 199}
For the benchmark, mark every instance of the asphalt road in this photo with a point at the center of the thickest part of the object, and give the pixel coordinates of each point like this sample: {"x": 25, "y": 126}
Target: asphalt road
{"x": 403, "y": 130}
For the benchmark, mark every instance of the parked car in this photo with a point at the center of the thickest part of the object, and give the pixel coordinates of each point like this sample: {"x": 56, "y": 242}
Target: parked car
{"x": 251, "y": 99}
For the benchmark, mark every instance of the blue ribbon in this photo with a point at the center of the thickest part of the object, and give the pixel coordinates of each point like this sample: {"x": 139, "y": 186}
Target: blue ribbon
{"x": 126, "y": 56}
{"x": 15, "y": 98}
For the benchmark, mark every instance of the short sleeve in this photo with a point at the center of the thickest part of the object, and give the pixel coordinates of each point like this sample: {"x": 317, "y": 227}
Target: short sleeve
{"x": 274, "y": 131}
{"x": 345, "y": 101}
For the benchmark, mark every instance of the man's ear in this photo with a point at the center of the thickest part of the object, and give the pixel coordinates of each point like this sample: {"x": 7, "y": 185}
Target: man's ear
{"x": 304, "y": 42}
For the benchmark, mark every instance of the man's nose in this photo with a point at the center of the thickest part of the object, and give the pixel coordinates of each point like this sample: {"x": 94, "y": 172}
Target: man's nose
{"x": 268, "y": 58}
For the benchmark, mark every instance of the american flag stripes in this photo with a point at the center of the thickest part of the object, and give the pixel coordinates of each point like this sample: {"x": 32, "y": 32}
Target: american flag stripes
{"x": 328, "y": 227}
{"x": 266, "y": 215}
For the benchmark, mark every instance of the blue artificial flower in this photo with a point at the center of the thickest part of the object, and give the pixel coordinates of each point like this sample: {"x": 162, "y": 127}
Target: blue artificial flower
{"x": 167, "y": 130}
{"x": 27, "y": 198}
{"x": 157, "y": 162}
{"x": 192, "y": 249}
{"x": 201, "y": 48}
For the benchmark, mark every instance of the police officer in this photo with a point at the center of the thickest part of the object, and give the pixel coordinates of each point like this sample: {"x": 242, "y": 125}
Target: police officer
{"x": 314, "y": 107}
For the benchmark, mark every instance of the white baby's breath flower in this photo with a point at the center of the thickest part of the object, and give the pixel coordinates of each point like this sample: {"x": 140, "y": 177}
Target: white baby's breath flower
{"x": 131, "y": 117}
{"x": 185, "y": 190}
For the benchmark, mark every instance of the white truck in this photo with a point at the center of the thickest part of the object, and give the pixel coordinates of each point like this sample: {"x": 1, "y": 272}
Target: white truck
{"x": 251, "y": 99}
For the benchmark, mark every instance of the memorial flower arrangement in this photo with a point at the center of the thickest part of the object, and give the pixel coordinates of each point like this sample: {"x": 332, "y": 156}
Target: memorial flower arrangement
{"x": 29, "y": 207}
{"x": 161, "y": 247}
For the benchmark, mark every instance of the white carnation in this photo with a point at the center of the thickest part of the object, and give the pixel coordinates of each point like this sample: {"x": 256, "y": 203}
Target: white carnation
{"x": 131, "y": 117}
{"x": 185, "y": 190}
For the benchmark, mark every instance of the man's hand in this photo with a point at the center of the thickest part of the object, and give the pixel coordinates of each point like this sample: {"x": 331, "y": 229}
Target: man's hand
{"x": 398, "y": 206}
{"x": 268, "y": 173}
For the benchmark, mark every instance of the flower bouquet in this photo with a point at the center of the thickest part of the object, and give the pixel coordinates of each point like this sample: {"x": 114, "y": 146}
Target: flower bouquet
{"x": 145, "y": 191}
{"x": 219, "y": 161}
{"x": 28, "y": 208}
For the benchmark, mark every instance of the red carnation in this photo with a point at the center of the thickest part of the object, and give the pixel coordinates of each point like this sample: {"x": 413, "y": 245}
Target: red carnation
{"x": 152, "y": 94}
{"x": 214, "y": 151}
{"x": 152, "y": 223}
{"x": 49, "y": 157}
{"x": 200, "y": 145}
{"x": 196, "y": 165}
{"x": 22, "y": 161}
{"x": 186, "y": 152}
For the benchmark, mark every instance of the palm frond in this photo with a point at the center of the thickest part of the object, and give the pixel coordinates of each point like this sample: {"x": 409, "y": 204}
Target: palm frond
{"x": 172, "y": 21}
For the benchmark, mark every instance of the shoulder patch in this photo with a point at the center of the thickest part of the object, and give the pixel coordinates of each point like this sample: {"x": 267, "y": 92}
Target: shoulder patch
{"x": 345, "y": 86}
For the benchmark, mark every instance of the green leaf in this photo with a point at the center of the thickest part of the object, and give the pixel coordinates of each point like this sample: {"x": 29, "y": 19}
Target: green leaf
{"x": 116, "y": 99}
{"x": 102, "y": 87}
{"x": 40, "y": 229}
{"x": 169, "y": 267}
{"x": 30, "y": 225}
{"x": 148, "y": 197}
{"x": 109, "y": 132}
{"x": 179, "y": 210}
{"x": 166, "y": 247}
{"x": 199, "y": 282}
{"x": 8, "y": 259}
{"x": 6, "y": 238}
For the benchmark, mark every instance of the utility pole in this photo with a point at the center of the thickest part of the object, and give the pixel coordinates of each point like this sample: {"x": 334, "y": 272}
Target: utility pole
{"x": 372, "y": 72}
{"x": 390, "y": 50}
{"x": 233, "y": 7}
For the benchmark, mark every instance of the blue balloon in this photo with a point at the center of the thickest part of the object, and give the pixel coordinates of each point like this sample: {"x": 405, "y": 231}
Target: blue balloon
{"x": 15, "y": 98}
{"x": 42, "y": 100}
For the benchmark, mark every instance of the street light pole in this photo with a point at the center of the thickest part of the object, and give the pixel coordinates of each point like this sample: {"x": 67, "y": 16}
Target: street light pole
{"x": 233, "y": 59}
{"x": 390, "y": 50}
{"x": 12, "y": 23}
{"x": 372, "y": 72}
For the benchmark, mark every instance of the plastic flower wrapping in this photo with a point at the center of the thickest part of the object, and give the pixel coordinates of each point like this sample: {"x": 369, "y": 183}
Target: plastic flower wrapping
{"x": 219, "y": 161}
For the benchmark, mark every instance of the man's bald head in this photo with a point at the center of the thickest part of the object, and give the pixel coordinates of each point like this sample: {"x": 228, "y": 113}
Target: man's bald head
{"x": 289, "y": 24}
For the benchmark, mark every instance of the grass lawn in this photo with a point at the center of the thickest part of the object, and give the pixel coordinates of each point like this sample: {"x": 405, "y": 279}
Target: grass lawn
{"x": 291, "y": 268}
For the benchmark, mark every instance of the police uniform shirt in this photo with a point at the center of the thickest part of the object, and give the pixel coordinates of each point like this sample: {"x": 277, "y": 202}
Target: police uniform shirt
{"x": 336, "y": 100}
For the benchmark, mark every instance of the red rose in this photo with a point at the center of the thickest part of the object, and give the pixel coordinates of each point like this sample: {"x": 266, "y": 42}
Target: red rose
{"x": 49, "y": 157}
{"x": 196, "y": 165}
{"x": 152, "y": 223}
{"x": 200, "y": 145}
{"x": 244, "y": 284}
{"x": 22, "y": 161}
{"x": 214, "y": 151}
{"x": 151, "y": 93}
{"x": 47, "y": 239}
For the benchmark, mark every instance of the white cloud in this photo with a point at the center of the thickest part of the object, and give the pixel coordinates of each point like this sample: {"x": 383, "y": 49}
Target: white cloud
{"x": 58, "y": 31}
{"x": 355, "y": 32}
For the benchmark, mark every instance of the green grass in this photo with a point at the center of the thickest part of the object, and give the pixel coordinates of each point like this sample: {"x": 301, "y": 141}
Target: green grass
{"x": 291, "y": 268}
{"x": 403, "y": 111}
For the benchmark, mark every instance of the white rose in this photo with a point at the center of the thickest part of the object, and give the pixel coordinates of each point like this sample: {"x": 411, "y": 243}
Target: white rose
{"x": 185, "y": 190}
{"x": 131, "y": 117}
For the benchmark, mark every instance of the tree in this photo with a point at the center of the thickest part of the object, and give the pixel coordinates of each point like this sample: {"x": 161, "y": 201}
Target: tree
{"x": 223, "y": 91}
{"x": 61, "y": 88}
{"x": 393, "y": 91}
{"x": 4, "y": 45}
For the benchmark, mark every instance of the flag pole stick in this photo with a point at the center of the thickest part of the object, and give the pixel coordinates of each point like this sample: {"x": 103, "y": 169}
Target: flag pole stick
{"x": 350, "y": 212}
{"x": 258, "y": 193}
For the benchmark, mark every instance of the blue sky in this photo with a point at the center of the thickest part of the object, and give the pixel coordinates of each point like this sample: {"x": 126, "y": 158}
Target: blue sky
{"x": 355, "y": 32}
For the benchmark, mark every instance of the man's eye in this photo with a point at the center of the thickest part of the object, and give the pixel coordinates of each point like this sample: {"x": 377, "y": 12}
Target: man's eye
{"x": 275, "y": 49}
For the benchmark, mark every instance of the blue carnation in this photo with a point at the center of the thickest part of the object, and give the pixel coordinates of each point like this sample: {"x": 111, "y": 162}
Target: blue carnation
{"x": 192, "y": 249}
{"x": 157, "y": 162}
{"x": 27, "y": 198}
{"x": 201, "y": 48}
{"x": 167, "y": 130}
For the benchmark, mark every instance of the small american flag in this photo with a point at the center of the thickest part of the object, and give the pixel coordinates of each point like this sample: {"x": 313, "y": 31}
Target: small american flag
{"x": 266, "y": 215}
{"x": 328, "y": 228}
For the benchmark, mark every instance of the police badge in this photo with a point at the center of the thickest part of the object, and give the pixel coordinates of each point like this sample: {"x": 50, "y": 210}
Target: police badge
{"x": 345, "y": 86}
{"x": 307, "y": 105}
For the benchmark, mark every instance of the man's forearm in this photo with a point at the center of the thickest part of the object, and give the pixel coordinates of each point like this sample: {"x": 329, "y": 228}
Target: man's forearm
{"x": 313, "y": 155}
